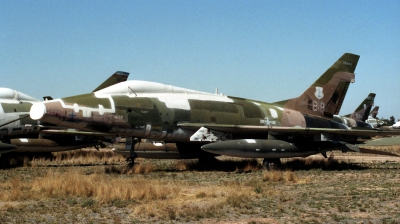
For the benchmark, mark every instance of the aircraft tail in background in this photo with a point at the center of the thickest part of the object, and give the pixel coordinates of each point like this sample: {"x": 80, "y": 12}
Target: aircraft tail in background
{"x": 363, "y": 110}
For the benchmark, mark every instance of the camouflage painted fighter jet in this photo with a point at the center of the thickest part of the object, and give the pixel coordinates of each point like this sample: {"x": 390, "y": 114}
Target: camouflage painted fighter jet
{"x": 21, "y": 135}
{"x": 358, "y": 118}
{"x": 197, "y": 124}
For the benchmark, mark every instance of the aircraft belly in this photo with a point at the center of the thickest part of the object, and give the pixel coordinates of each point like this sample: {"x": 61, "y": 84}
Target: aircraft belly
{"x": 50, "y": 149}
{"x": 46, "y": 145}
{"x": 146, "y": 132}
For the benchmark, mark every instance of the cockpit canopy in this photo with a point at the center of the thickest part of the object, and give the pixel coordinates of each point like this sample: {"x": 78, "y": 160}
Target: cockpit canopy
{"x": 137, "y": 87}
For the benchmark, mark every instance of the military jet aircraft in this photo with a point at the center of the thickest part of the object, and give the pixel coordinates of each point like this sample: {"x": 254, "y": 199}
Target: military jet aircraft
{"x": 358, "y": 118}
{"x": 21, "y": 135}
{"x": 199, "y": 122}
{"x": 373, "y": 120}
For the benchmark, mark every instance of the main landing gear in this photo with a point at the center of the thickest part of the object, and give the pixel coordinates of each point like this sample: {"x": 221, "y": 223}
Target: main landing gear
{"x": 271, "y": 164}
{"x": 130, "y": 143}
{"x": 131, "y": 161}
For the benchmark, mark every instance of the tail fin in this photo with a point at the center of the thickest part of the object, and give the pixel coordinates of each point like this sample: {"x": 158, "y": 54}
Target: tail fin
{"x": 362, "y": 111}
{"x": 325, "y": 96}
{"x": 115, "y": 78}
{"x": 374, "y": 112}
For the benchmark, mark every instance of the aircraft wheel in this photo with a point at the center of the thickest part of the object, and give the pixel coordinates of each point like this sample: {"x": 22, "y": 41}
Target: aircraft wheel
{"x": 131, "y": 162}
{"x": 271, "y": 164}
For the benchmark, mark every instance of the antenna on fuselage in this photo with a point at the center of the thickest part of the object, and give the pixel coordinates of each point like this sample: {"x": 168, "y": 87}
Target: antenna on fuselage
{"x": 132, "y": 90}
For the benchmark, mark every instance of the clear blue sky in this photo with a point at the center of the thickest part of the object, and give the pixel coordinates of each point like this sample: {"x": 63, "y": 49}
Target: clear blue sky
{"x": 263, "y": 50}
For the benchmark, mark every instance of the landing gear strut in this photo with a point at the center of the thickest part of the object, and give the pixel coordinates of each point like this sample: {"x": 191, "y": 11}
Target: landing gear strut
{"x": 131, "y": 161}
{"x": 130, "y": 143}
{"x": 271, "y": 164}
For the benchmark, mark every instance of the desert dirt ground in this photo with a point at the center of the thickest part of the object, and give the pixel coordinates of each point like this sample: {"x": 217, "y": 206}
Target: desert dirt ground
{"x": 96, "y": 187}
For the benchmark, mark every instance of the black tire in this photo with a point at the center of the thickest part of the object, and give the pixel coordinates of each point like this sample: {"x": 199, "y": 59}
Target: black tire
{"x": 271, "y": 164}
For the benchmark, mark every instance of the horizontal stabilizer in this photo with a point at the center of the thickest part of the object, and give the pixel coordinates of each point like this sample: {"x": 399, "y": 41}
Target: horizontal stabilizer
{"x": 383, "y": 142}
{"x": 352, "y": 147}
{"x": 380, "y": 142}
{"x": 377, "y": 152}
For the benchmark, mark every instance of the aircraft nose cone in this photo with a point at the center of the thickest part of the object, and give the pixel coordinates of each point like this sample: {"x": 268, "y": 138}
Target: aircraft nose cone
{"x": 38, "y": 110}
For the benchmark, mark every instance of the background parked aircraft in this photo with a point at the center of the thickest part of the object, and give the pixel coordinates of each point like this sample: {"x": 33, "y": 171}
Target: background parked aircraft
{"x": 358, "y": 118}
{"x": 20, "y": 135}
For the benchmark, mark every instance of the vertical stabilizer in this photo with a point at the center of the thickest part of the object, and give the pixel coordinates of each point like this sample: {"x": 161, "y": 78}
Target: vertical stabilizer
{"x": 325, "y": 96}
{"x": 115, "y": 78}
{"x": 374, "y": 112}
{"x": 362, "y": 111}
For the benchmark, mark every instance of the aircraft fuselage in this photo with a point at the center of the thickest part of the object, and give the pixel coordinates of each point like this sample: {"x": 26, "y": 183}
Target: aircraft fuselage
{"x": 153, "y": 111}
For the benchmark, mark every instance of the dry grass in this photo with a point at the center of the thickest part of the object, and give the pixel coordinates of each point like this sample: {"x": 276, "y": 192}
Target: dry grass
{"x": 232, "y": 164}
{"x": 15, "y": 190}
{"x": 229, "y": 190}
{"x": 86, "y": 156}
{"x": 100, "y": 187}
{"x": 138, "y": 168}
{"x": 324, "y": 164}
{"x": 148, "y": 198}
{"x": 280, "y": 176}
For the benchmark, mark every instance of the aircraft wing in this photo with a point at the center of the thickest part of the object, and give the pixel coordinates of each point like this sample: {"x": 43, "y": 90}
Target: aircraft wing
{"x": 253, "y": 129}
{"x": 9, "y": 122}
{"x": 77, "y": 132}
{"x": 376, "y": 152}
{"x": 217, "y": 132}
{"x": 380, "y": 142}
